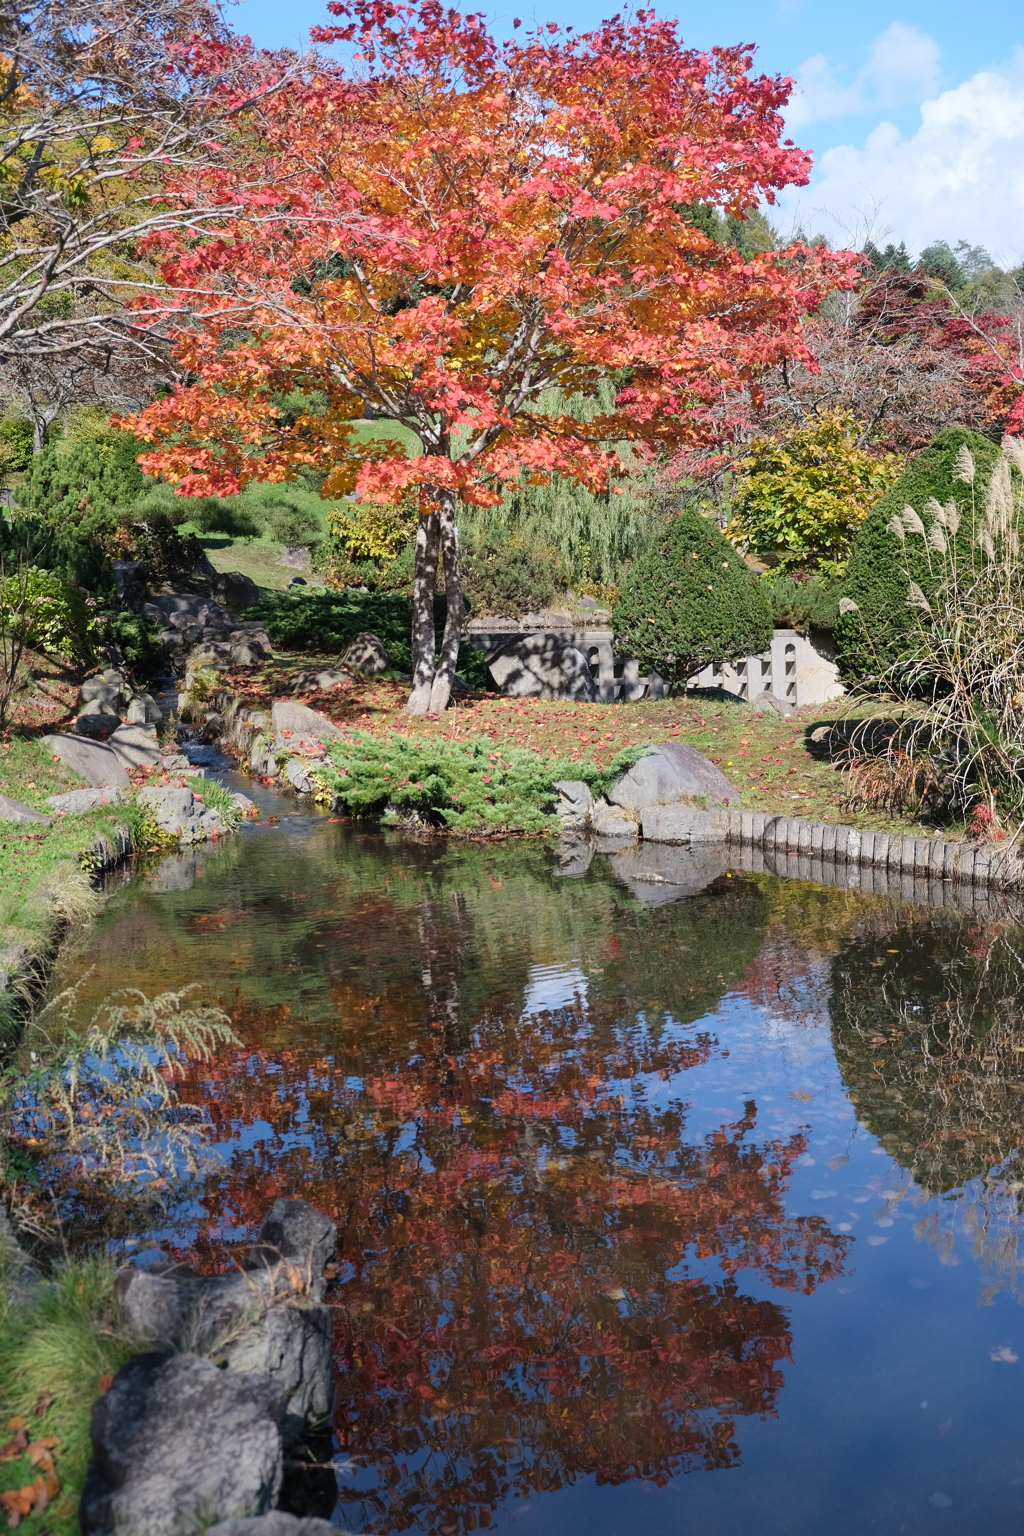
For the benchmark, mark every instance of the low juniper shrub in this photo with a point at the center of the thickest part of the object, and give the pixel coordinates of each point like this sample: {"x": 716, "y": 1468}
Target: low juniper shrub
{"x": 468, "y": 786}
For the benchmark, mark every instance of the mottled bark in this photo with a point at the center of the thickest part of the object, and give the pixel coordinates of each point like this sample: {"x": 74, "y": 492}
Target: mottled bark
{"x": 424, "y": 582}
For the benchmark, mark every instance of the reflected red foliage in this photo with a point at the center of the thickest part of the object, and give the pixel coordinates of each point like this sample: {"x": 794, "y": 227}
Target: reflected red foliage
{"x": 539, "y": 1270}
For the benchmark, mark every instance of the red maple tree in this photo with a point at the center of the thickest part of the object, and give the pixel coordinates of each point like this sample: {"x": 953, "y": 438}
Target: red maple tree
{"x": 459, "y": 234}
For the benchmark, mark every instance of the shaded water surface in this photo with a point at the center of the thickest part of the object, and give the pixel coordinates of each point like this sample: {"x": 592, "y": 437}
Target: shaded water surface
{"x": 696, "y": 1216}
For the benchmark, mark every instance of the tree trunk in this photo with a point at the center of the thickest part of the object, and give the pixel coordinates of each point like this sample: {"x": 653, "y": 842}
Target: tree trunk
{"x": 424, "y": 582}
{"x": 449, "y": 658}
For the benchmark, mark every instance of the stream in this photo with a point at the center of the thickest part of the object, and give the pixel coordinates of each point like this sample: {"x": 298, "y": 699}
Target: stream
{"x": 693, "y": 1215}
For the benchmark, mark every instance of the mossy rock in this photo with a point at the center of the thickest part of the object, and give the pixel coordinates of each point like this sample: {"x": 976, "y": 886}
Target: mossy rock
{"x": 690, "y": 601}
{"x": 872, "y": 640}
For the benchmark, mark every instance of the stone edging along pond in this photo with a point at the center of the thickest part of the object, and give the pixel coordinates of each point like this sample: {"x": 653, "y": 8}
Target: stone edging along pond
{"x": 889, "y": 852}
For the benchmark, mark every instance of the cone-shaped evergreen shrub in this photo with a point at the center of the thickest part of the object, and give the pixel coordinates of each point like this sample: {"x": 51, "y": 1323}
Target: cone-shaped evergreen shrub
{"x": 86, "y": 489}
{"x": 881, "y": 631}
{"x": 689, "y": 600}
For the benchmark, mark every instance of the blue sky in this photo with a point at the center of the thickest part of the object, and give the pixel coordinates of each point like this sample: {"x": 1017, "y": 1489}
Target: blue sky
{"x": 914, "y": 112}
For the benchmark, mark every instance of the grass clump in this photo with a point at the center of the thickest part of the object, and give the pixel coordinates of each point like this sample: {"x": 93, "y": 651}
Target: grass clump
{"x": 57, "y": 1351}
{"x": 470, "y": 786}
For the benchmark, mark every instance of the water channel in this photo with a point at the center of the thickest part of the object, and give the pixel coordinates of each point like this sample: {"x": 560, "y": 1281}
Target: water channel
{"x": 696, "y": 1215}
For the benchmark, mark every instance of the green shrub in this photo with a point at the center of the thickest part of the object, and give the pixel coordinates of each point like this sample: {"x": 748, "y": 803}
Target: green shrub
{"x": 468, "y": 786}
{"x": 54, "y": 617}
{"x": 877, "y": 630}
{"x": 169, "y": 552}
{"x": 16, "y": 444}
{"x": 309, "y": 620}
{"x": 509, "y": 580}
{"x": 83, "y": 488}
{"x": 802, "y": 605}
{"x": 78, "y": 561}
{"x": 135, "y": 635}
{"x": 690, "y": 601}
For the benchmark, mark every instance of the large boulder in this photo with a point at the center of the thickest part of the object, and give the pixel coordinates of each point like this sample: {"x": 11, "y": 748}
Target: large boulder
{"x": 365, "y": 653}
{"x": 235, "y": 590}
{"x": 297, "y": 1232}
{"x": 543, "y": 666}
{"x": 672, "y": 772}
{"x": 178, "y": 1444}
{"x": 136, "y": 747}
{"x": 13, "y": 810}
{"x": 574, "y": 805}
{"x": 302, "y": 723}
{"x": 78, "y": 802}
{"x": 91, "y": 760}
{"x": 144, "y": 710}
{"x": 178, "y": 812}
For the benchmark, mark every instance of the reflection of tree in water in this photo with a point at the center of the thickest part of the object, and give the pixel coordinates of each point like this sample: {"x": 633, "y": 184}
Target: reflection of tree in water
{"x": 540, "y": 1272}
{"x": 929, "y": 1036}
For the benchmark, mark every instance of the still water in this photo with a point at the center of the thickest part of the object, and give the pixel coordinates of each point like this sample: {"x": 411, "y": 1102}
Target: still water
{"x": 694, "y": 1215}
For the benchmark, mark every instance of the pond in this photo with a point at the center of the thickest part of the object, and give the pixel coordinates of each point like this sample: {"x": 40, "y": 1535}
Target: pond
{"x": 697, "y": 1214}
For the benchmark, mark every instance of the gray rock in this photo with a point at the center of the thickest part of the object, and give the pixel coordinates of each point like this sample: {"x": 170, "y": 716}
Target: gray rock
{"x": 174, "y": 762}
{"x": 154, "y": 1303}
{"x": 574, "y": 805}
{"x": 682, "y": 824}
{"x": 671, "y": 772}
{"x": 98, "y": 690}
{"x": 173, "y": 810}
{"x": 313, "y": 679}
{"x": 135, "y": 746}
{"x": 20, "y": 1280}
{"x": 296, "y": 771}
{"x": 543, "y": 666}
{"x": 80, "y": 801}
{"x": 95, "y": 763}
{"x": 13, "y": 810}
{"x": 297, "y": 1231}
{"x": 178, "y": 1444}
{"x": 303, "y": 723}
{"x": 768, "y": 703}
{"x": 657, "y": 874}
{"x": 144, "y": 710}
{"x": 183, "y": 608}
{"x": 96, "y": 725}
{"x": 292, "y": 1345}
{"x": 277, "y": 1523}
{"x": 365, "y": 653}
{"x": 612, "y": 821}
{"x": 295, "y": 557}
{"x": 235, "y": 589}
{"x": 245, "y": 655}
{"x": 245, "y": 805}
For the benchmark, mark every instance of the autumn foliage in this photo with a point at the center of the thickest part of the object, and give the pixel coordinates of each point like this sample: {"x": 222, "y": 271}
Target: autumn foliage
{"x": 457, "y": 232}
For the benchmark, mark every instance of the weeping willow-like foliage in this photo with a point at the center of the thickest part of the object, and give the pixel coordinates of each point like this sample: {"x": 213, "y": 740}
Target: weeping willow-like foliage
{"x": 595, "y": 535}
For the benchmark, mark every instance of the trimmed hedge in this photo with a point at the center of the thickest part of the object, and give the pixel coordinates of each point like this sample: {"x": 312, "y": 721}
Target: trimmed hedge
{"x": 875, "y": 637}
{"x": 690, "y": 600}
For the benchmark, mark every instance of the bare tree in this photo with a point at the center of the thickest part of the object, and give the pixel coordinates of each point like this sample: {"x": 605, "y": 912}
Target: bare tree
{"x": 99, "y": 101}
{"x": 114, "y": 372}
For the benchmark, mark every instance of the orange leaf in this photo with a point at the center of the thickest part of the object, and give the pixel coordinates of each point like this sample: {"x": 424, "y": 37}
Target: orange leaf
{"x": 104, "y": 1384}
{"x": 43, "y": 1402}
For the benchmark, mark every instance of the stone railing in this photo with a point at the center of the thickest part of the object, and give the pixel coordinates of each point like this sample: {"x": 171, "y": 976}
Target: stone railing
{"x": 795, "y": 668}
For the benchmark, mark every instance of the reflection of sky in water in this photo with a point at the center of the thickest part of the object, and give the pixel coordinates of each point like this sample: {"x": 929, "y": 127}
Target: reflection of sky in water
{"x": 900, "y": 1407}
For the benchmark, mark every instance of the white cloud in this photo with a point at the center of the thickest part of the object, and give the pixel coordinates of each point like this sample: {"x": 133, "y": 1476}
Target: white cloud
{"x": 959, "y": 177}
{"x": 902, "y": 66}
